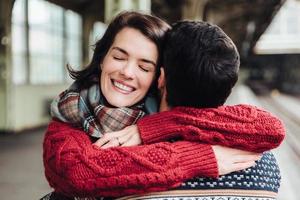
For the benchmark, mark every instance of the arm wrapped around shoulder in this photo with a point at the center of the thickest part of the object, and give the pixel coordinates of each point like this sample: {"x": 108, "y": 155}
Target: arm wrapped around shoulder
{"x": 75, "y": 167}
{"x": 241, "y": 126}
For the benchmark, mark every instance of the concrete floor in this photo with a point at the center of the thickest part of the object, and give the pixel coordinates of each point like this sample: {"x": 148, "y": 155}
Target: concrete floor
{"x": 21, "y": 167}
{"x": 288, "y": 159}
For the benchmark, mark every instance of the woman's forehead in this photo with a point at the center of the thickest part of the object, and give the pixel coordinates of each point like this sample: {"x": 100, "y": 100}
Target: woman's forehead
{"x": 134, "y": 43}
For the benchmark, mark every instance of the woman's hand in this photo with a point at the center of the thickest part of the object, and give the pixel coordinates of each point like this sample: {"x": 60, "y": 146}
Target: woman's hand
{"x": 230, "y": 160}
{"x": 129, "y": 136}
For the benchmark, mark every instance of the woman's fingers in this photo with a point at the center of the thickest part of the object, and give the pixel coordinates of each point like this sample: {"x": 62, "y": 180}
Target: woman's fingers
{"x": 111, "y": 143}
{"x": 242, "y": 166}
{"x": 238, "y": 167}
{"x": 133, "y": 140}
{"x": 128, "y": 142}
{"x": 124, "y": 139}
{"x": 233, "y": 151}
{"x": 230, "y": 160}
{"x": 107, "y": 137}
{"x": 129, "y": 136}
{"x": 103, "y": 140}
{"x": 246, "y": 158}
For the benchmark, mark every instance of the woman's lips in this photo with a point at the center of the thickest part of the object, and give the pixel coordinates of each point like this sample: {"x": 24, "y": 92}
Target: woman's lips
{"x": 123, "y": 88}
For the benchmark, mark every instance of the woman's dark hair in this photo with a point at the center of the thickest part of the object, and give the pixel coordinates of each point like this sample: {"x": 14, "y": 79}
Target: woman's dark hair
{"x": 150, "y": 26}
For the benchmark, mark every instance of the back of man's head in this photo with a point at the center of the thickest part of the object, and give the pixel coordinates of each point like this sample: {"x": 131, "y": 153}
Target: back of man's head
{"x": 201, "y": 65}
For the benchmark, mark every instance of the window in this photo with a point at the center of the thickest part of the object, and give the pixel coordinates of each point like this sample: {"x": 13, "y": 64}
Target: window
{"x": 19, "y": 62}
{"x": 283, "y": 34}
{"x": 54, "y": 39}
{"x": 73, "y": 38}
{"x": 45, "y": 42}
{"x": 98, "y": 30}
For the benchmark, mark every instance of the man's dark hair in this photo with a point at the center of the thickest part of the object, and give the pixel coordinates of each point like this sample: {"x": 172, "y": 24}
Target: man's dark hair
{"x": 201, "y": 65}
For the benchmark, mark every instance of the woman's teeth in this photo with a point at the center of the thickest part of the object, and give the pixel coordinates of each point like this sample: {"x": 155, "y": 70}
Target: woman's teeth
{"x": 123, "y": 87}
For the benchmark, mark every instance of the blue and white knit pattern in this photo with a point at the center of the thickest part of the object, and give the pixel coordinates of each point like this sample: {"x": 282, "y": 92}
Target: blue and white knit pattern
{"x": 265, "y": 175}
{"x": 203, "y": 198}
{"x": 260, "y": 182}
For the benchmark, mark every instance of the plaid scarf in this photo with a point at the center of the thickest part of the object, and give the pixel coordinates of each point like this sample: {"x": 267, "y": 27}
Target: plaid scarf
{"x": 84, "y": 108}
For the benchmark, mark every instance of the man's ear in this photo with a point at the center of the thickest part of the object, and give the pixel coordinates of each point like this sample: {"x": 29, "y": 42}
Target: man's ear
{"x": 162, "y": 79}
{"x": 163, "y": 92}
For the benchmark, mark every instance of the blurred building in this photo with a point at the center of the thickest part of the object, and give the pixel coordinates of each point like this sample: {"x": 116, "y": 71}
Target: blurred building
{"x": 275, "y": 62}
{"x": 38, "y": 38}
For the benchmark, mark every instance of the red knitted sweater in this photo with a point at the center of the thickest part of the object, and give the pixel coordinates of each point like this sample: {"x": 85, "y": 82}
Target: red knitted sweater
{"x": 75, "y": 167}
{"x": 241, "y": 126}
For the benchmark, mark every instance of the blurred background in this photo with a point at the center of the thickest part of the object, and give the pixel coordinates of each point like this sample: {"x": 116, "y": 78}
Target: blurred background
{"x": 38, "y": 38}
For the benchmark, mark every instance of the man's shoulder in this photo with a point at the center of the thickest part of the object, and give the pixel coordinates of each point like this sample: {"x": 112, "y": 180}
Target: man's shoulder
{"x": 260, "y": 182}
{"x": 265, "y": 175}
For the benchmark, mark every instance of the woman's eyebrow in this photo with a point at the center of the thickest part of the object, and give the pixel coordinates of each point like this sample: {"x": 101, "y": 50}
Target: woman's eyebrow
{"x": 120, "y": 49}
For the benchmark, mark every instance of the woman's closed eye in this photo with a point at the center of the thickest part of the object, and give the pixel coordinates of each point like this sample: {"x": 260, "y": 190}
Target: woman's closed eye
{"x": 144, "y": 68}
{"x": 119, "y": 58}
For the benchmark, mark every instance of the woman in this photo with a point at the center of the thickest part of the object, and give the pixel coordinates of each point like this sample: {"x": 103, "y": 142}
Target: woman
{"x": 127, "y": 68}
{"x": 127, "y": 59}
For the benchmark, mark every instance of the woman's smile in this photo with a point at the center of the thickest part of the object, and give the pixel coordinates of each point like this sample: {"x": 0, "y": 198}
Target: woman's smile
{"x": 122, "y": 87}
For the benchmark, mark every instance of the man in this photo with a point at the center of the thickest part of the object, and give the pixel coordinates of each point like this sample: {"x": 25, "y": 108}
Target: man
{"x": 200, "y": 68}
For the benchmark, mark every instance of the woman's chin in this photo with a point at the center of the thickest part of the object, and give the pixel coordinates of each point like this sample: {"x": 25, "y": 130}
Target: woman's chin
{"x": 121, "y": 102}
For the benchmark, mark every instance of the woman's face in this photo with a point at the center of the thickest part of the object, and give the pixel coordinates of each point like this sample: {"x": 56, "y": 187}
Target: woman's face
{"x": 128, "y": 69}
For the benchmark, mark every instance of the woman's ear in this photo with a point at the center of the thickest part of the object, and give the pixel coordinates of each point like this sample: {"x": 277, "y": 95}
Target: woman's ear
{"x": 162, "y": 79}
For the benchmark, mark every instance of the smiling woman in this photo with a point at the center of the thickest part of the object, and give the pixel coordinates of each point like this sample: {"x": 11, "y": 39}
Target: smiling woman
{"x": 117, "y": 88}
{"x": 120, "y": 82}
{"x": 131, "y": 38}
{"x": 128, "y": 69}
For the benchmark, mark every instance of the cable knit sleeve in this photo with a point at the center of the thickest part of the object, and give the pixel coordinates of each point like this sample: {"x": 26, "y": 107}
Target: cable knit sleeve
{"x": 242, "y": 126}
{"x": 75, "y": 167}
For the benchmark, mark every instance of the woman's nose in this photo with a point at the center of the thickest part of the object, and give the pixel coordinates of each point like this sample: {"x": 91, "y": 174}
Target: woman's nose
{"x": 128, "y": 70}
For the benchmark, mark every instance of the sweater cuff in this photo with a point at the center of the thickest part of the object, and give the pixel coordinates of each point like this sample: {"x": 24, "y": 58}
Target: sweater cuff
{"x": 197, "y": 159}
{"x": 158, "y": 128}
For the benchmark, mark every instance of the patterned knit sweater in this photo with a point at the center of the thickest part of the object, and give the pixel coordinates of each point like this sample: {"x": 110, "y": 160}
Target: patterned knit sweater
{"x": 260, "y": 182}
{"x": 242, "y": 126}
{"x": 76, "y": 168}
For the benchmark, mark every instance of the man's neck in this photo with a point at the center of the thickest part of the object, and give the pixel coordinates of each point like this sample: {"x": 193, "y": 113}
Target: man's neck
{"x": 163, "y": 103}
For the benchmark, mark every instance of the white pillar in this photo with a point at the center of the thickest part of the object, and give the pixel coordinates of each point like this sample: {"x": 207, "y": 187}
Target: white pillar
{"x": 145, "y": 5}
{"x": 5, "y": 65}
{"x": 125, "y": 5}
{"x": 114, "y": 7}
